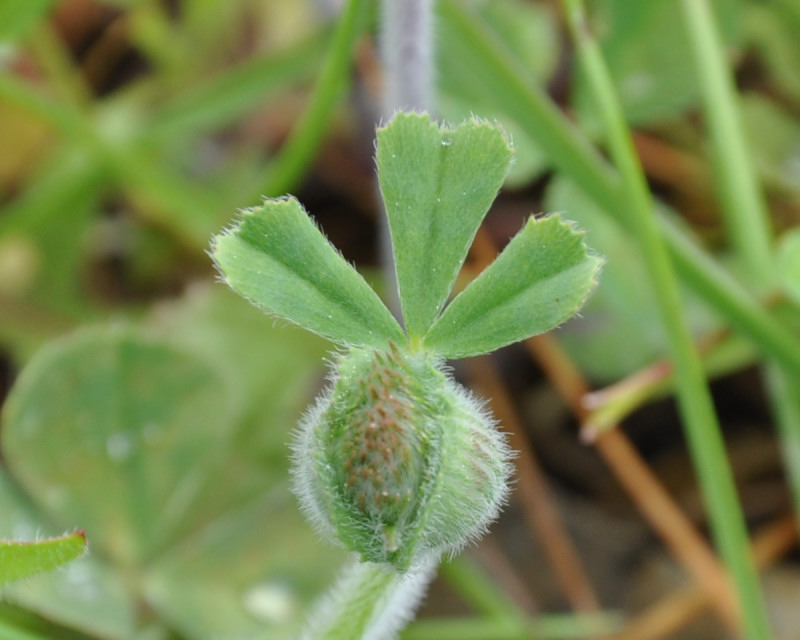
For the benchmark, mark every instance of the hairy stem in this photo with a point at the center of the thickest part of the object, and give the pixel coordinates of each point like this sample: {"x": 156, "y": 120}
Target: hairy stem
{"x": 407, "y": 52}
{"x": 370, "y": 602}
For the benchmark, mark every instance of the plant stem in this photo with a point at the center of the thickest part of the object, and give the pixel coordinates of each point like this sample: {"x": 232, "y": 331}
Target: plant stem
{"x": 407, "y": 54}
{"x": 571, "y": 153}
{"x": 744, "y": 209}
{"x": 742, "y": 202}
{"x": 694, "y": 399}
{"x": 369, "y": 602}
{"x": 223, "y": 98}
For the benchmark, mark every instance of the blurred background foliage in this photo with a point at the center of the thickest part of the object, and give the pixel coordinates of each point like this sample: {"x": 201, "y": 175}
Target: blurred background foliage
{"x": 152, "y": 408}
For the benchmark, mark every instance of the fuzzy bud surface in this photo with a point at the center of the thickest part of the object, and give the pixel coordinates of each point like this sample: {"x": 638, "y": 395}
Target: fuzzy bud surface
{"x": 398, "y": 461}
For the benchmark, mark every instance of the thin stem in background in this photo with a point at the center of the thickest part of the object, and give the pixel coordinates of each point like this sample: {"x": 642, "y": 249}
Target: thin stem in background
{"x": 694, "y": 398}
{"x": 480, "y": 592}
{"x": 664, "y": 618}
{"x": 653, "y": 501}
{"x": 503, "y": 619}
{"x": 407, "y": 55}
{"x": 541, "y": 510}
{"x": 572, "y": 154}
{"x": 291, "y": 164}
{"x": 551, "y": 627}
{"x": 539, "y": 506}
{"x": 737, "y": 188}
{"x": 744, "y": 211}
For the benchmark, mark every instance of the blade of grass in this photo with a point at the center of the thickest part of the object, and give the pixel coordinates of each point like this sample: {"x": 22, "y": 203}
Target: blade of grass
{"x": 296, "y": 154}
{"x": 742, "y": 203}
{"x": 502, "y": 618}
{"x": 481, "y": 593}
{"x": 694, "y": 399}
{"x": 744, "y": 209}
{"x": 570, "y": 153}
{"x": 188, "y": 210}
{"x": 223, "y": 98}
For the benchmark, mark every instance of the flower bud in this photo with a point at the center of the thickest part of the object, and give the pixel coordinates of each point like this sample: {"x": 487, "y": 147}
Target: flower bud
{"x": 398, "y": 461}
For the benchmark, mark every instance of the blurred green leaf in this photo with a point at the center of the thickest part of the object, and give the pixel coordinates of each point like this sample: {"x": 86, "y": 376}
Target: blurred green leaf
{"x": 647, "y": 52}
{"x": 140, "y": 440}
{"x": 113, "y": 433}
{"x": 17, "y": 17}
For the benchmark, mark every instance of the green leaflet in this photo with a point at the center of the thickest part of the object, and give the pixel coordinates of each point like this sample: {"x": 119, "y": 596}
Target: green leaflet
{"x": 541, "y": 278}
{"x": 23, "y": 559}
{"x": 277, "y": 258}
{"x": 437, "y": 185}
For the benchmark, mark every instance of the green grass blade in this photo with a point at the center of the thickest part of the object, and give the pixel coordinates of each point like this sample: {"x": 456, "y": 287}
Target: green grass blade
{"x": 437, "y": 185}
{"x": 541, "y": 278}
{"x": 735, "y": 175}
{"x": 277, "y": 258}
{"x": 289, "y": 165}
{"x": 23, "y": 559}
{"x": 222, "y": 99}
{"x": 694, "y": 398}
{"x": 745, "y": 212}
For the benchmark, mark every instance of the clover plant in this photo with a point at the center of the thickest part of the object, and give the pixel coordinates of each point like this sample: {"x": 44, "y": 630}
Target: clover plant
{"x": 395, "y": 460}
